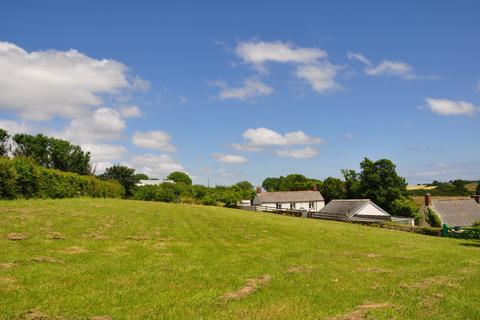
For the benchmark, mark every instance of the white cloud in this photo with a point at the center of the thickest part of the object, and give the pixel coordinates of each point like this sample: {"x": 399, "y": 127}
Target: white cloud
{"x": 386, "y": 67}
{"x": 320, "y": 76}
{"x": 229, "y": 158}
{"x": 358, "y": 56}
{"x": 392, "y": 68}
{"x": 102, "y": 124}
{"x": 251, "y": 88}
{"x": 130, "y": 112}
{"x": 156, "y": 166}
{"x": 100, "y": 167}
{"x": 104, "y": 152}
{"x": 257, "y": 139}
{"x": 447, "y": 107}
{"x": 14, "y": 126}
{"x": 39, "y": 85}
{"x": 302, "y": 153}
{"x": 260, "y": 52}
{"x": 349, "y": 136}
{"x": 155, "y": 140}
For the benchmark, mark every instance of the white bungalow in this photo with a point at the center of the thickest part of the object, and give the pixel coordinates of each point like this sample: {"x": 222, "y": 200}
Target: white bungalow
{"x": 309, "y": 200}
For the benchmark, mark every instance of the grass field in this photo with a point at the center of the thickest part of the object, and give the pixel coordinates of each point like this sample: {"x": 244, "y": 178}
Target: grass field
{"x": 118, "y": 259}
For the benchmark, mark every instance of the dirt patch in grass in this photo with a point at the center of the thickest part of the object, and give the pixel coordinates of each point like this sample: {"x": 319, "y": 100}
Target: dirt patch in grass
{"x": 96, "y": 236}
{"x": 8, "y": 283}
{"x": 435, "y": 281}
{"x": 73, "y": 250}
{"x": 430, "y": 301}
{"x": 373, "y": 255}
{"x": 298, "y": 269}
{"x": 108, "y": 225}
{"x": 35, "y": 315}
{"x": 138, "y": 237}
{"x": 55, "y": 235}
{"x": 361, "y": 312}
{"x": 100, "y": 318}
{"x": 374, "y": 270}
{"x": 7, "y": 265}
{"x": 251, "y": 285}
{"x": 48, "y": 260}
{"x": 16, "y": 236}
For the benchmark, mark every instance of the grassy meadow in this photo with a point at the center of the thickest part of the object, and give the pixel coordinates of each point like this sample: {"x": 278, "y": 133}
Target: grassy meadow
{"x": 120, "y": 259}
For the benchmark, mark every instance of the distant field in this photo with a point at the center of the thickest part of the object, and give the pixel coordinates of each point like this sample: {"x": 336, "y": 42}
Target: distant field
{"x": 419, "y": 201}
{"x": 471, "y": 186}
{"x": 118, "y": 259}
{"x": 420, "y": 187}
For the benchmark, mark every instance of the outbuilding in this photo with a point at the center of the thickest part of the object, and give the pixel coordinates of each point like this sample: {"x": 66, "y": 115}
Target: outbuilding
{"x": 354, "y": 210}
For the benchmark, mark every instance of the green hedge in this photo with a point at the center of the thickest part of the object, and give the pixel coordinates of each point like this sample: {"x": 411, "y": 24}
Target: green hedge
{"x": 22, "y": 178}
{"x": 433, "y": 219}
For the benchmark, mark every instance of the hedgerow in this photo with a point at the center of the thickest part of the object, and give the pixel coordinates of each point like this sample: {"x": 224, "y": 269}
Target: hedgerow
{"x": 22, "y": 178}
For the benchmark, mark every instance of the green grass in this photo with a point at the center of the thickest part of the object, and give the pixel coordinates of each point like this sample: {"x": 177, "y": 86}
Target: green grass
{"x": 144, "y": 260}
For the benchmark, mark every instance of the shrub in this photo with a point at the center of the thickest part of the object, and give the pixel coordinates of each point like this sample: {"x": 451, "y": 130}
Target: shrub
{"x": 403, "y": 207}
{"x": 476, "y": 224}
{"x": 146, "y": 193}
{"x": 209, "y": 200}
{"x": 27, "y": 177}
{"x": 433, "y": 219}
{"x": 8, "y": 177}
{"x": 165, "y": 192}
{"x": 430, "y": 231}
{"x": 21, "y": 177}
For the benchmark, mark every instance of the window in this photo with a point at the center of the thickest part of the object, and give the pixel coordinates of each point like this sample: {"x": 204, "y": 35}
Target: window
{"x": 311, "y": 205}
{"x": 292, "y": 205}
{"x": 279, "y": 206}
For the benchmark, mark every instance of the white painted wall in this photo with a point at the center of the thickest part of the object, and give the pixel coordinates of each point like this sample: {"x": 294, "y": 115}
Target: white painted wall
{"x": 317, "y": 205}
{"x": 371, "y": 210}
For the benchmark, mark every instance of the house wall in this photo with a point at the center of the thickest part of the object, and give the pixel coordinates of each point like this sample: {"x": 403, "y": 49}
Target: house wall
{"x": 298, "y": 205}
{"x": 371, "y": 210}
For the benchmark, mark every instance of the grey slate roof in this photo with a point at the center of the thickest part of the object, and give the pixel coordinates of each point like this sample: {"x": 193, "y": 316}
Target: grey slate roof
{"x": 461, "y": 213}
{"x": 287, "y": 196}
{"x": 346, "y": 209}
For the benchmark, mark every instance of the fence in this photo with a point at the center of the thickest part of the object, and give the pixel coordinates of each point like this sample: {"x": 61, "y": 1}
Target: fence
{"x": 461, "y": 232}
{"x": 286, "y": 212}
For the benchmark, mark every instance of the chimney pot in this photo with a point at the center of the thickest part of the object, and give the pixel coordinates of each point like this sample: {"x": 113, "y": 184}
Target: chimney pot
{"x": 259, "y": 189}
{"x": 428, "y": 200}
{"x": 314, "y": 187}
{"x": 476, "y": 198}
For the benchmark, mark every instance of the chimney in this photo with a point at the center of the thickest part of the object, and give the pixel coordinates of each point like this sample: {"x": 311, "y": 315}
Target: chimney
{"x": 428, "y": 200}
{"x": 476, "y": 198}
{"x": 259, "y": 190}
{"x": 314, "y": 187}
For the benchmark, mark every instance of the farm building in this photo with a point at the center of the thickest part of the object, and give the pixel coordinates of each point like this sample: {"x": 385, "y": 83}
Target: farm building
{"x": 309, "y": 200}
{"x": 355, "y": 210}
{"x": 153, "y": 182}
{"x": 454, "y": 212}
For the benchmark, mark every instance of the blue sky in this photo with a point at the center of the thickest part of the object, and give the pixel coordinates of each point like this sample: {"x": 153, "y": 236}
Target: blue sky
{"x": 247, "y": 90}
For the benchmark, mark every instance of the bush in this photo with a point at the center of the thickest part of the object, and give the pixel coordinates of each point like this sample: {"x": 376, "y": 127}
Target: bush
{"x": 430, "y": 231}
{"x": 27, "y": 177}
{"x": 476, "y": 224}
{"x": 21, "y": 177}
{"x": 8, "y": 178}
{"x": 403, "y": 207}
{"x": 165, "y": 192}
{"x": 433, "y": 219}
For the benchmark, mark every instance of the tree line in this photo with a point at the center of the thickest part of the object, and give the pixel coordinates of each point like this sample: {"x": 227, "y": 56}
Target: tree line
{"x": 377, "y": 181}
{"x": 46, "y": 151}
